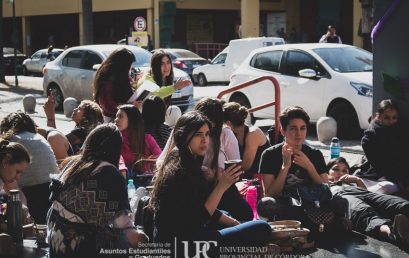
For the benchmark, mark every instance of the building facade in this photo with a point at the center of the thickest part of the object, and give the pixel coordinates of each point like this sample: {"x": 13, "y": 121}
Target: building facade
{"x": 179, "y": 23}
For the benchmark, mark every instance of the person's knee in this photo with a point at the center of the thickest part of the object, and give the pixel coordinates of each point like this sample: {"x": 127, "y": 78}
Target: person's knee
{"x": 387, "y": 187}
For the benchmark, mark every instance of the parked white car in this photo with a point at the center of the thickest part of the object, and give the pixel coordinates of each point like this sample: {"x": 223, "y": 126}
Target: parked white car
{"x": 325, "y": 79}
{"x": 37, "y": 61}
{"x": 227, "y": 61}
{"x": 71, "y": 74}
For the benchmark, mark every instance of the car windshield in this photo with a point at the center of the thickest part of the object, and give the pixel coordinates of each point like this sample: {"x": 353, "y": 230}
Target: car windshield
{"x": 142, "y": 57}
{"x": 346, "y": 59}
{"x": 185, "y": 54}
{"x": 9, "y": 51}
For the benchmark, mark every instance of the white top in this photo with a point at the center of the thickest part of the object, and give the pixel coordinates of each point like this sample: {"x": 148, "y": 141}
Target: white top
{"x": 229, "y": 149}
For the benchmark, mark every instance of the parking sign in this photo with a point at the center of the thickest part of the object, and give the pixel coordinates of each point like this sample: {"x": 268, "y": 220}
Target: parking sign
{"x": 139, "y": 24}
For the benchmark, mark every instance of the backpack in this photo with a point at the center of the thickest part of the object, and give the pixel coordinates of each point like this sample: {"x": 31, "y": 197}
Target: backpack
{"x": 144, "y": 217}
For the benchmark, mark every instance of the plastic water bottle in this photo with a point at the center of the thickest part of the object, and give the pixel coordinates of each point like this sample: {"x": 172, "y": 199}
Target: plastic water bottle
{"x": 251, "y": 199}
{"x": 15, "y": 217}
{"x": 131, "y": 189}
{"x": 335, "y": 148}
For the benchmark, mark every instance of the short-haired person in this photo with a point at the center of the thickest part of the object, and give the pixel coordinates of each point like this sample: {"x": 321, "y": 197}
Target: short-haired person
{"x": 86, "y": 117}
{"x": 286, "y": 165}
{"x": 331, "y": 36}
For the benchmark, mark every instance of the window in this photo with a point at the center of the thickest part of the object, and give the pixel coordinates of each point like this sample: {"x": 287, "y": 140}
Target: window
{"x": 220, "y": 59}
{"x": 90, "y": 60}
{"x": 36, "y": 55}
{"x": 297, "y": 60}
{"x": 346, "y": 59}
{"x": 73, "y": 59}
{"x": 268, "y": 61}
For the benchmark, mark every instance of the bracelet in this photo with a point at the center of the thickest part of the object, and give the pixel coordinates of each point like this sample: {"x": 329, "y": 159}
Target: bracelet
{"x": 51, "y": 120}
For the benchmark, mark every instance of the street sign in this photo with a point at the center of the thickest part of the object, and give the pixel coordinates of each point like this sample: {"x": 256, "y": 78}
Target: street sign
{"x": 139, "y": 38}
{"x": 139, "y": 24}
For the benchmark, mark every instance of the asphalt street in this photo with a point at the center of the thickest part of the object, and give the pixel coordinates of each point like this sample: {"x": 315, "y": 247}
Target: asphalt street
{"x": 11, "y": 100}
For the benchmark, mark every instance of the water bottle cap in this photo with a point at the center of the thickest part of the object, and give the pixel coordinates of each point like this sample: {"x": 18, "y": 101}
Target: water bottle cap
{"x": 130, "y": 181}
{"x": 334, "y": 139}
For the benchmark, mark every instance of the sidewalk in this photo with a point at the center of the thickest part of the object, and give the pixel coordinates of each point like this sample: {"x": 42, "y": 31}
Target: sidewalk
{"x": 27, "y": 85}
{"x": 351, "y": 150}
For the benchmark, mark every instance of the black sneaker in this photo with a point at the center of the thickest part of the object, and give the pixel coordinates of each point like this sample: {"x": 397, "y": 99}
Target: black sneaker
{"x": 401, "y": 228}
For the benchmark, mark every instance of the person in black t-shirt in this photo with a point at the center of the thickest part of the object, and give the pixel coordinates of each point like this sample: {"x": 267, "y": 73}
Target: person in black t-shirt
{"x": 286, "y": 165}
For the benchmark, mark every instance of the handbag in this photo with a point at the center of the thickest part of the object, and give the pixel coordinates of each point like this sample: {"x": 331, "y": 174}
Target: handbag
{"x": 314, "y": 194}
{"x": 289, "y": 235}
{"x": 313, "y": 199}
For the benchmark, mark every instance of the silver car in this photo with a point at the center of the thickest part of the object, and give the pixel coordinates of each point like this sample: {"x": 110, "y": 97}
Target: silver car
{"x": 37, "y": 61}
{"x": 71, "y": 74}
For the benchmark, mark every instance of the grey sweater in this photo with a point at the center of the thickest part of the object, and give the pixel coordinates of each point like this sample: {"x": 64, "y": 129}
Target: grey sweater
{"x": 43, "y": 162}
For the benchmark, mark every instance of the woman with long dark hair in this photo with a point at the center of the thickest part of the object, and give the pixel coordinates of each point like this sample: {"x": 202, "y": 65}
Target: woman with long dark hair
{"x": 161, "y": 74}
{"x": 136, "y": 144}
{"x": 252, "y": 141}
{"x": 222, "y": 146}
{"x": 111, "y": 83}
{"x": 90, "y": 205}
{"x": 153, "y": 113}
{"x": 185, "y": 207}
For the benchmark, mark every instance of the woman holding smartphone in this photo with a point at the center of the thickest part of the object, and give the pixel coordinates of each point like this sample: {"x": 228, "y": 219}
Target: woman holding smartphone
{"x": 184, "y": 205}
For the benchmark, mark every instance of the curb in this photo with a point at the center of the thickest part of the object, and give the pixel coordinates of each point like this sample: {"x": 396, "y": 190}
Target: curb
{"x": 8, "y": 100}
{"x": 3, "y": 101}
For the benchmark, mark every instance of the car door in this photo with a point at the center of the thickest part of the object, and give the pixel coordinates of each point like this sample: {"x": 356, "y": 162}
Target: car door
{"x": 33, "y": 62}
{"x": 261, "y": 64}
{"x": 90, "y": 59}
{"x": 71, "y": 74}
{"x": 215, "y": 71}
{"x": 307, "y": 93}
{"x": 41, "y": 63}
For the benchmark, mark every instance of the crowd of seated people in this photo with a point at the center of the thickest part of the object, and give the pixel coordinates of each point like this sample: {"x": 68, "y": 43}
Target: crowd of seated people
{"x": 76, "y": 178}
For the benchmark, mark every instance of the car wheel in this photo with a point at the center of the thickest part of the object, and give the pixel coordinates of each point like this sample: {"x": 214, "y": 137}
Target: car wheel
{"x": 58, "y": 97}
{"x": 242, "y": 100}
{"x": 25, "y": 72}
{"x": 347, "y": 121}
{"x": 201, "y": 80}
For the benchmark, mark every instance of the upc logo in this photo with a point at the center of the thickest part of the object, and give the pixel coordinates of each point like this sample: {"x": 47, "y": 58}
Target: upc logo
{"x": 202, "y": 247}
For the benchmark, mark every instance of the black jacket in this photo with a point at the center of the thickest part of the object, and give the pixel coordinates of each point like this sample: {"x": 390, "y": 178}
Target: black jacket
{"x": 385, "y": 149}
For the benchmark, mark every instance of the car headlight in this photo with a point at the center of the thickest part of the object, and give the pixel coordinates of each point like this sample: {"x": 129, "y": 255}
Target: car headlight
{"x": 363, "y": 89}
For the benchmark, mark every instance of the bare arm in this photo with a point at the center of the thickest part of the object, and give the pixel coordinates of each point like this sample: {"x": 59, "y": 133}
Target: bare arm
{"x": 49, "y": 110}
{"x": 228, "y": 221}
{"x": 253, "y": 141}
{"x": 225, "y": 179}
{"x": 59, "y": 145}
{"x": 350, "y": 179}
{"x": 274, "y": 186}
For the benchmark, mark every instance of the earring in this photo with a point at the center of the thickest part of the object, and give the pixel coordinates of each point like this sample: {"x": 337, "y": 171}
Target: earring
{"x": 190, "y": 150}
